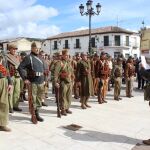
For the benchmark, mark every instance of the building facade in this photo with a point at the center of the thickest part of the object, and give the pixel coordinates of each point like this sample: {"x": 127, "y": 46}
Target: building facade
{"x": 112, "y": 40}
{"x": 145, "y": 41}
{"x": 22, "y": 43}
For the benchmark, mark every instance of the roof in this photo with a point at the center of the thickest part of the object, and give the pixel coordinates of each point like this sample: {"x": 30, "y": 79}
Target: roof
{"x": 19, "y": 38}
{"x": 102, "y": 30}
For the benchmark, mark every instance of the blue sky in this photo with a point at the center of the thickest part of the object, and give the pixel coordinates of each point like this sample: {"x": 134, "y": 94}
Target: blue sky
{"x": 43, "y": 18}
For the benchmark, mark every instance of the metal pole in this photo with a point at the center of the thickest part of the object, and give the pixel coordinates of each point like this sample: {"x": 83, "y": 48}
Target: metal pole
{"x": 90, "y": 33}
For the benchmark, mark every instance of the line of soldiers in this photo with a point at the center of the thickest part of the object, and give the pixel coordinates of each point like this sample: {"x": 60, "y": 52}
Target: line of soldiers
{"x": 82, "y": 75}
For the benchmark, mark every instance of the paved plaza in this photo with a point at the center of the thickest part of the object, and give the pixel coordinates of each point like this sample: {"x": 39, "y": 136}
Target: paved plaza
{"x": 112, "y": 126}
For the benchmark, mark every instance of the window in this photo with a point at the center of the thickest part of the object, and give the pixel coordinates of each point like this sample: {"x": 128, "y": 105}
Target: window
{"x": 127, "y": 40}
{"x": 117, "y": 40}
{"x": 66, "y": 44}
{"x": 106, "y": 40}
{"x": 127, "y": 55}
{"x": 93, "y": 42}
{"x": 77, "y": 43}
{"x": 55, "y": 45}
{"x": 116, "y": 54}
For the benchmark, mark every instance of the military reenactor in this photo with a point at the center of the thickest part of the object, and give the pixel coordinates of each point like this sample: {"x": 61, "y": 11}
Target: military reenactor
{"x": 117, "y": 79}
{"x": 77, "y": 87}
{"x": 103, "y": 71}
{"x": 5, "y": 88}
{"x": 56, "y": 58}
{"x": 63, "y": 77}
{"x": 129, "y": 75}
{"x": 13, "y": 63}
{"x": 85, "y": 78}
{"x": 93, "y": 72}
{"x": 23, "y": 87}
{"x": 31, "y": 70}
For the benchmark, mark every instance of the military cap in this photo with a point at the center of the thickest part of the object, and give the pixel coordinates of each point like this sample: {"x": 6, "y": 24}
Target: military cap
{"x": 103, "y": 53}
{"x": 23, "y": 54}
{"x": 119, "y": 59}
{"x": 33, "y": 45}
{"x": 65, "y": 52}
{"x": 77, "y": 54}
{"x": 57, "y": 53}
{"x": 10, "y": 46}
{"x": 95, "y": 55}
{"x": 83, "y": 54}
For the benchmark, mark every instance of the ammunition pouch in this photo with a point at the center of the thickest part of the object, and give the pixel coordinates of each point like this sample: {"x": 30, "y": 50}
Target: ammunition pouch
{"x": 64, "y": 75}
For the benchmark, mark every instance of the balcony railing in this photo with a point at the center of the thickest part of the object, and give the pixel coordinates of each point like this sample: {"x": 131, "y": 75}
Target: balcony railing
{"x": 55, "y": 47}
{"x": 77, "y": 46}
{"x": 66, "y": 46}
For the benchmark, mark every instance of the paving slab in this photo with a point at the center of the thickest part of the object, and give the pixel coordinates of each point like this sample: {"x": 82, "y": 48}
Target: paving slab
{"x": 112, "y": 126}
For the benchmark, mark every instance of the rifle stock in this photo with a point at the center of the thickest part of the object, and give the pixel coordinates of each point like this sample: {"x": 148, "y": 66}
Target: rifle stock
{"x": 58, "y": 102}
{"x": 31, "y": 107}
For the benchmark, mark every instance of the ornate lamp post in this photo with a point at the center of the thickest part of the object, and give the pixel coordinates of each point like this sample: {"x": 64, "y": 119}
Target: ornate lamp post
{"x": 90, "y": 12}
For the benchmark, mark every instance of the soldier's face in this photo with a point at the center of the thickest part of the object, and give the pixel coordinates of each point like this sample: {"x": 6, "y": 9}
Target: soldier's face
{"x": 35, "y": 50}
{"x": 13, "y": 51}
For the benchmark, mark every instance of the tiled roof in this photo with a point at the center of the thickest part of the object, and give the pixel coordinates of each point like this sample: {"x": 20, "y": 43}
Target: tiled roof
{"x": 103, "y": 30}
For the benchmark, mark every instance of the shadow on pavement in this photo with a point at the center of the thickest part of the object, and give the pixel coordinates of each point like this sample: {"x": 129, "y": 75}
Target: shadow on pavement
{"x": 87, "y": 135}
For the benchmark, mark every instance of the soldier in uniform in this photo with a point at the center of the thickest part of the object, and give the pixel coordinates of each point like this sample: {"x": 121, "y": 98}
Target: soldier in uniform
{"x": 76, "y": 83}
{"x": 103, "y": 71}
{"x": 22, "y": 85}
{"x": 117, "y": 79}
{"x": 5, "y": 88}
{"x": 56, "y": 58}
{"x": 31, "y": 70}
{"x": 84, "y": 77}
{"x": 129, "y": 75}
{"x": 63, "y": 77}
{"x": 13, "y": 63}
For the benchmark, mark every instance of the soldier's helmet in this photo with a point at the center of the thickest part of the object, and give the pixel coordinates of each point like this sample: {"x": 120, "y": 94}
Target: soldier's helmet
{"x": 12, "y": 46}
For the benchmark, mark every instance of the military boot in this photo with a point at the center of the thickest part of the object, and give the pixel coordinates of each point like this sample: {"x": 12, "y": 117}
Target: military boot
{"x": 4, "y": 128}
{"x": 147, "y": 142}
{"x": 86, "y": 104}
{"x": 38, "y": 116}
{"x": 63, "y": 112}
{"x": 99, "y": 99}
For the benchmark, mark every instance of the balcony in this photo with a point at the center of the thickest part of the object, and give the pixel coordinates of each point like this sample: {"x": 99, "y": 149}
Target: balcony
{"x": 55, "y": 47}
{"x": 77, "y": 46}
{"x": 66, "y": 46}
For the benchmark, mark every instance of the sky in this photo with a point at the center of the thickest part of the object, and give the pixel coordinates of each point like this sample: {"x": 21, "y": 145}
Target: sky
{"x": 44, "y": 18}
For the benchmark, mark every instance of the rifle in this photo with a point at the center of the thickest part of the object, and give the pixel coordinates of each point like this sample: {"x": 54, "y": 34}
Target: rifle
{"x": 31, "y": 107}
{"x": 57, "y": 101}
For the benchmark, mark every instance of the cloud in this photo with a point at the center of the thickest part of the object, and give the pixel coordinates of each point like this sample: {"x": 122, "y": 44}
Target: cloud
{"x": 26, "y": 18}
{"x": 81, "y": 28}
{"x": 30, "y": 30}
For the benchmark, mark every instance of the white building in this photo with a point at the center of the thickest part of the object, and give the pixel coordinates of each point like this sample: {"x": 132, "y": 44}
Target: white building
{"x": 113, "y": 40}
{"x": 22, "y": 43}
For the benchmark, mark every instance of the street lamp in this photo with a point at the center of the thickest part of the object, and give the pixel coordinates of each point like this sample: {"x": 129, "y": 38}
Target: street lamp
{"x": 90, "y": 12}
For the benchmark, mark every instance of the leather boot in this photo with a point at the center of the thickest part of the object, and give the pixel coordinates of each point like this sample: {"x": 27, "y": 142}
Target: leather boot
{"x": 147, "y": 142}
{"x": 100, "y": 99}
{"x": 63, "y": 112}
{"x": 83, "y": 106}
{"x": 68, "y": 111}
{"x": 4, "y": 128}
{"x": 38, "y": 116}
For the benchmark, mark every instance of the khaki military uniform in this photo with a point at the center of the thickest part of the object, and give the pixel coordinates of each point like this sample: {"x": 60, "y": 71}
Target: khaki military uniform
{"x": 13, "y": 63}
{"x": 85, "y": 78}
{"x": 117, "y": 81}
{"x": 129, "y": 74}
{"x": 4, "y": 106}
{"x": 103, "y": 71}
{"x": 63, "y": 74}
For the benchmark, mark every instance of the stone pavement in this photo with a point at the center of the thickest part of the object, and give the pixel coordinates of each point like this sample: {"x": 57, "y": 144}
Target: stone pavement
{"x": 112, "y": 126}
